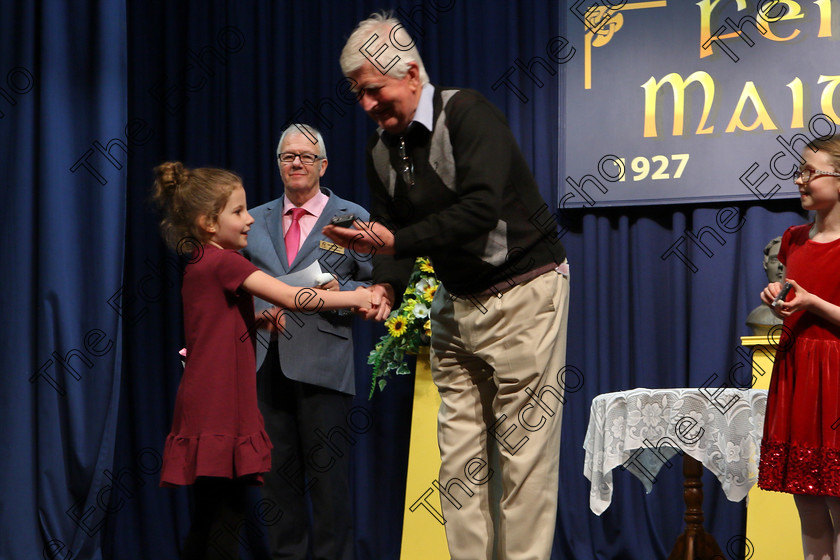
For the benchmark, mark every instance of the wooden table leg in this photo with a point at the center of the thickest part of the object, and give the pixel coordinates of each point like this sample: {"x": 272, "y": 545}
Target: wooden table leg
{"x": 694, "y": 543}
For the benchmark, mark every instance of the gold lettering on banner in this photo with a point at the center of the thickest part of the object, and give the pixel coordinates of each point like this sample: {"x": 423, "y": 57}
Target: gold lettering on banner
{"x": 792, "y": 11}
{"x": 762, "y": 119}
{"x": 605, "y": 32}
{"x": 797, "y": 101}
{"x": 706, "y": 8}
{"x": 775, "y": 20}
{"x": 678, "y": 85}
{"x": 749, "y": 95}
{"x": 827, "y": 97}
{"x": 825, "y": 17}
{"x": 774, "y": 12}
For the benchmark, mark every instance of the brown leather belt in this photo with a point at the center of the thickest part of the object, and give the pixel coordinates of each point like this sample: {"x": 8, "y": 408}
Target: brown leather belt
{"x": 501, "y": 287}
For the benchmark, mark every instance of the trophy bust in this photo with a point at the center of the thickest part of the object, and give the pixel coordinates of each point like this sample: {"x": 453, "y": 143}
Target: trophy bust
{"x": 762, "y": 319}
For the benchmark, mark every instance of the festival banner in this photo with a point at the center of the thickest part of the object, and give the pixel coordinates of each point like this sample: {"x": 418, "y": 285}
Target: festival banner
{"x": 677, "y": 101}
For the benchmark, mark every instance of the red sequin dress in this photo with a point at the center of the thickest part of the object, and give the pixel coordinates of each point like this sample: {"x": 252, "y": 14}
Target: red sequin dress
{"x": 800, "y": 450}
{"x": 217, "y": 428}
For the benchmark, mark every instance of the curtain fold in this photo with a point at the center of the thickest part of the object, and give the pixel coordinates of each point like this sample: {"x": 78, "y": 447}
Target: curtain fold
{"x": 62, "y": 136}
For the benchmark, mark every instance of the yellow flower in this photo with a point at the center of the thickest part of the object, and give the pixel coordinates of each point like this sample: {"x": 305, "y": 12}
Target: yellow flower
{"x": 426, "y": 266}
{"x": 427, "y": 327}
{"x": 429, "y": 291}
{"x": 396, "y": 325}
{"x": 408, "y": 306}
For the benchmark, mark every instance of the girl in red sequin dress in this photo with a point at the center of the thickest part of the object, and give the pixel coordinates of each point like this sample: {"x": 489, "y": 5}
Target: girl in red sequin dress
{"x": 800, "y": 451}
{"x": 218, "y": 442}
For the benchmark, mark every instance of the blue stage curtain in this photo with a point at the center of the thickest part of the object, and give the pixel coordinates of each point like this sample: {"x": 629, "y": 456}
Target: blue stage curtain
{"x": 213, "y": 83}
{"x": 63, "y": 117}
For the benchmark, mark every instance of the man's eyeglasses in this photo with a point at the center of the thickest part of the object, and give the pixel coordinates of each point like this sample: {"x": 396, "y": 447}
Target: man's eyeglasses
{"x": 807, "y": 174}
{"x": 306, "y": 159}
{"x": 408, "y": 166}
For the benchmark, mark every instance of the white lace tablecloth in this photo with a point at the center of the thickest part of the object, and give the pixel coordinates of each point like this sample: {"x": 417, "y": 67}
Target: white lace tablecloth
{"x": 643, "y": 429}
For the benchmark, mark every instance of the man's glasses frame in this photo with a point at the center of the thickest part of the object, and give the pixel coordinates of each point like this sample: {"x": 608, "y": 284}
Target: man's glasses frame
{"x": 305, "y": 158}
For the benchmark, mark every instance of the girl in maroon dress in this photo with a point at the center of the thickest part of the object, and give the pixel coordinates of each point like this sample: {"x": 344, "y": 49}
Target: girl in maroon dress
{"x": 217, "y": 442}
{"x": 800, "y": 451}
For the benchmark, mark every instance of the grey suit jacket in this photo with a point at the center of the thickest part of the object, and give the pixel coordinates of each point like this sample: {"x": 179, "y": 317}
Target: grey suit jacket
{"x": 316, "y": 348}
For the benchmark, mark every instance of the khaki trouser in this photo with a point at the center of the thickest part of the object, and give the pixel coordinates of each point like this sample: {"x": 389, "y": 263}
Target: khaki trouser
{"x": 498, "y": 365}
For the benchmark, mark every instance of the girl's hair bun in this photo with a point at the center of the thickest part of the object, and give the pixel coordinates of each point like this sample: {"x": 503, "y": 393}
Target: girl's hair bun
{"x": 170, "y": 176}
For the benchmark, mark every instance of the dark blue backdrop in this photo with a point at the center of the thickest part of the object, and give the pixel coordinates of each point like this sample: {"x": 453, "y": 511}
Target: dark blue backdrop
{"x": 93, "y": 96}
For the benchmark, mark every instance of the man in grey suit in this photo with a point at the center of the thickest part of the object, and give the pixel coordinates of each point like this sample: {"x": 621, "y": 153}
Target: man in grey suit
{"x": 305, "y": 378}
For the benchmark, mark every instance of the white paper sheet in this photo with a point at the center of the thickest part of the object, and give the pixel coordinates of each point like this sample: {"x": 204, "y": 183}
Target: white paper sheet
{"x": 309, "y": 277}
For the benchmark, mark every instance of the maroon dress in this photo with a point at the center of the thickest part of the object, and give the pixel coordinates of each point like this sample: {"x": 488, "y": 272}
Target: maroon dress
{"x": 217, "y": 429}
{"x": 800, "y": 451}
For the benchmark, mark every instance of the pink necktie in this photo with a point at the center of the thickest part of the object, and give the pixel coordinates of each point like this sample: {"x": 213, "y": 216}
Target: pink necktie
{"x": 293, "y": 235}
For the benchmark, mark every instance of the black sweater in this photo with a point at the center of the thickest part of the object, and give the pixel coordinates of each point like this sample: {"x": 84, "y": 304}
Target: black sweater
{"x": 475, "y": 208}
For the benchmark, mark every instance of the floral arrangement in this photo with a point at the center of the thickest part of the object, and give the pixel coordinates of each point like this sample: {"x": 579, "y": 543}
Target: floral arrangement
{"x": 409, "y": 327}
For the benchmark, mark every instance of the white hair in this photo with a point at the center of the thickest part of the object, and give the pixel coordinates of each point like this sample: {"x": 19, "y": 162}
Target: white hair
{"x": 377, "y": 33}
{"x": 310, "y": 132}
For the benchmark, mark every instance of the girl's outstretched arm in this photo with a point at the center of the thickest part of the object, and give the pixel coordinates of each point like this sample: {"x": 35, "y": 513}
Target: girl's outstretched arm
{"x": 307, "y": 300}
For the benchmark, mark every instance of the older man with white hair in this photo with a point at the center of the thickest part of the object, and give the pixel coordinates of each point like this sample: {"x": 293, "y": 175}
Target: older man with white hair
{"x": 449, "y": 181}
{"x": 305, "y": 377}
